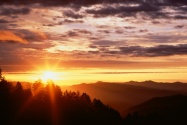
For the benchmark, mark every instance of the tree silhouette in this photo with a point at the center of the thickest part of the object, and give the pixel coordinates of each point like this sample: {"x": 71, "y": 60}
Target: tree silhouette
{"x": 0, "y": 74}
{"x": 48, "y": 105}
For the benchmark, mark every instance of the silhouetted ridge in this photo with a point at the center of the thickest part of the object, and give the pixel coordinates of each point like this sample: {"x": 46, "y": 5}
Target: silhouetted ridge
{"x": 171, "y": 110}
{"x": 121, "y": 96}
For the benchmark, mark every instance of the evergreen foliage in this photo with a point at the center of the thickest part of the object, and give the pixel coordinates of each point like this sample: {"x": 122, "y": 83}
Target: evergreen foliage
{"x": 48, "y": 105}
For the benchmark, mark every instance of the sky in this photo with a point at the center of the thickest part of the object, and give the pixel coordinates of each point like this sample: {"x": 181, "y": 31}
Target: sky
{"x": 94, "y": 40}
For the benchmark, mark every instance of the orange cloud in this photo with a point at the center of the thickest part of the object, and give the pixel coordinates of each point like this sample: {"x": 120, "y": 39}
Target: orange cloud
{"x": 10, "y": 36}
{"x": 41, "y": 35}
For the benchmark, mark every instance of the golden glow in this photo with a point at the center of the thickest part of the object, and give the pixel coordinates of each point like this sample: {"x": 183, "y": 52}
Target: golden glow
{"x": 91, "y": 75}
{"x": 49, "y": 75}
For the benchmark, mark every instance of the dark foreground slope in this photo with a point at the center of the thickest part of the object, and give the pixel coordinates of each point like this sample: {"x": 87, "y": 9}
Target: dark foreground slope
{"x": 121, "y": 96}
{"x": 48, "y": 105}
{"x": 170, "y": 110}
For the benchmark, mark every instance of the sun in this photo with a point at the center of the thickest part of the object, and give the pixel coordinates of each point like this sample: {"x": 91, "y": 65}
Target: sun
{"x": 48, "y": 75}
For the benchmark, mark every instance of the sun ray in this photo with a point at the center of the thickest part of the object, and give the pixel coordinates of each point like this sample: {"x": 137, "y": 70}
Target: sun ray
{"x": 49, "y": 75}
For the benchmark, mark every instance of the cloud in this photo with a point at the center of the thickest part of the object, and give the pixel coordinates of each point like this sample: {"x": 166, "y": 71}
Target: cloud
{"x": 164, "y": 38}
{"x": 32, "y": 47}
{"x": 160, "y": 50}
{"x": 140, "y": 51}
{"x": 83, "y": 31}
{"x": 130, "y": 50}
{"x": 71, "y": 14}
{"x": 104, "y": 31}
{"x": 91, "y": 2}
{"x": 123, "y": 10}
{"x": 180, "y": 17}
{"x": 3, "y": 21}
{"x": 119, "y": 31}
{"x": 77, "y": 33}
{"x": 14, "y": 11}
{"x": 108, "y": 43}
{"x": 143, "y": 30}
{"x": 79, "y": 3}
{"x": 101, "y": 8}
{"x": 156, "y": 22}
{"x": 129, "y": 27}
{"x": 8, "y": 36}
{"x": 22, "y": 36}
{"x": 179, "y": 26}
{"x": 31, "y": 36}
{"x": 153, "y": 9}
{"x": 72, "y": 21}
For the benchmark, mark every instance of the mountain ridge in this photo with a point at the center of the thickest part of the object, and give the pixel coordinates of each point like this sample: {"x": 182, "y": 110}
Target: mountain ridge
{"x": 121, "y": 96}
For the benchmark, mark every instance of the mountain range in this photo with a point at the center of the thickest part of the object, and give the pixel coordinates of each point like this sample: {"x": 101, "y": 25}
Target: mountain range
{"x": 123, "y": 96}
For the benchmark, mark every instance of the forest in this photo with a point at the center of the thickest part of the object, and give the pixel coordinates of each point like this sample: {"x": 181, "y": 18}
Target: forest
{"x": 48, "y": 104}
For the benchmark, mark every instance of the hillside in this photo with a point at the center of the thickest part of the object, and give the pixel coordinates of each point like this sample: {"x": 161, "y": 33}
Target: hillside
{"x": 120, "y": 96}
{"x": 170, "y": 110}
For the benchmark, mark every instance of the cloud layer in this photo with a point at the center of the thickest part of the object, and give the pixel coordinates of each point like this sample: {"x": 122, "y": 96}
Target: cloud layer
{"x": 92, "y": 30}
{"x": 8, "y": 36}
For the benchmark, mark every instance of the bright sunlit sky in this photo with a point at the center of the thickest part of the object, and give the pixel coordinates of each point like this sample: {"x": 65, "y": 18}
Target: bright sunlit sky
{"x": 94, "y": 40}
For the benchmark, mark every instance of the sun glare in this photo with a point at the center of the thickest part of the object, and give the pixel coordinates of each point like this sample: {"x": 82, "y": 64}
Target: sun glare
{"x": 48, "y": 75}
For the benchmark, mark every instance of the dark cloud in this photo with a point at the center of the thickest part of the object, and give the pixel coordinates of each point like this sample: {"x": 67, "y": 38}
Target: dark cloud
{"x": 31, "y": 36}
{"x": 160, "y": 50}
{"x": 119, "y": 31}
{"x": 104, "y": 31}
{"x": 158, "y": 15}
{"x": 103, "y": 26}
{"x": 72, "y": 34}
{"x": 75, "y": 3}
{"x": 156, "y": 22}
{"x": 176, "y": 2}
{"x": 63, "y": 22}
{"x": 140, "y": 51}
{"x": 129, "y": 27}
{"x": 92, "y": 46}
{"x": 179, "y": 26}
{"x": 123, "y": 10}
{"x": 164, "y": 38}
{"x": 166, "y": 50}
{"x": 53, "y": 24}
{"x": 180, "y": 17}
{"x": 14, "y": 11}
{"x": 3, "y": 21}
{"x": 183, "y": 8}
{"x": 41, "y": 46}
{"x": 72, "y": 21}
{"x": 143, "y": 30}
{"x": 77, "y": 33}
{"x": 131, "y": 50}
{"x": 79, "y": 3}
{"x": 7, "y": 24}
{"x": 107, "y": 43}
{"x": 83, "y": 31}
{"x": 153, "y": 9}
{"x": 72, "y": 14}
{"x": 50, "y": 25}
